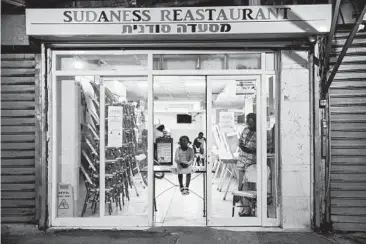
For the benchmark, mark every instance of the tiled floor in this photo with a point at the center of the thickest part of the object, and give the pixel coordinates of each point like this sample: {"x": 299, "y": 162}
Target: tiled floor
{"x": 174, "y": 209}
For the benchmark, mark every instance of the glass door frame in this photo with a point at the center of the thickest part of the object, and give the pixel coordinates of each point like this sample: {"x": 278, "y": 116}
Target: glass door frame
{"x": 115, "y": 221}
{"x": 260, "y": 124}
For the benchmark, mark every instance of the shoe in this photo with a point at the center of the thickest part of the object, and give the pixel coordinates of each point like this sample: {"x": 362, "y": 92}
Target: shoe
{"x": 182, "y": 190}
{"x": 187, "y": 191}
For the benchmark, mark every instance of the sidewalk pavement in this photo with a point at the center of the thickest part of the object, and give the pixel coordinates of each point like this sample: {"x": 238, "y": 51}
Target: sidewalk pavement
{"x": 171, "y": 235}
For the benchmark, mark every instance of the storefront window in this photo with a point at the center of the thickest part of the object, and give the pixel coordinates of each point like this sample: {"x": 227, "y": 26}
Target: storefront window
{"x": 270, "y": 61}
{"x": 228, "y": 121}
{"x": 78, "y": 141}
{"x": 272, "y": 162}
{"x": 79, "y": 170}
{"x": 126, "y": 154}
{"x": 207, "y": 61}
{"x": 102, "y": 62}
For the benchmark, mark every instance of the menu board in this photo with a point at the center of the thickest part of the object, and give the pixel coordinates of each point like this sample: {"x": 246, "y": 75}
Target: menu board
{"x": 165, "y": 150}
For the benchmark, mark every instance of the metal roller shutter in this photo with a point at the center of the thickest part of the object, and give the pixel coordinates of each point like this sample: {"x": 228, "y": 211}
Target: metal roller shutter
{"x": 348, "y": 136}
{"x": 18, "y": 138}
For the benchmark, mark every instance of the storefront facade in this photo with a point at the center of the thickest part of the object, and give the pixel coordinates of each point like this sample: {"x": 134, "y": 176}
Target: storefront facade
{"x": 110, "y": 82}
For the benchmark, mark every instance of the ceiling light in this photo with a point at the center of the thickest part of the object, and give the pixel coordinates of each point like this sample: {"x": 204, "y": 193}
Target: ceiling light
{"x": 78, "y": 64}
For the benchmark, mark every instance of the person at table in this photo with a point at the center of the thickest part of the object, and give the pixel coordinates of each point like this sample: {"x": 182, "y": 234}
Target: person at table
{"x": 184, "y": 158}
{"x": 199, "y": 147}
{"x": 247, "y": 157}
{"x": 158, "y": 132}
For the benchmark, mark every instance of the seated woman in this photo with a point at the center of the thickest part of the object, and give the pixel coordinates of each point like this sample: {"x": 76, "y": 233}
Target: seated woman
{"x": 184, "y": 158}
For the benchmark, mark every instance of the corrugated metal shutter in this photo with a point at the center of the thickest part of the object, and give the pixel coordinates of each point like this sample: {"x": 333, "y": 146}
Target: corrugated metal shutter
{"x": 18, "y": 138}
{"x": 348, "y": 136}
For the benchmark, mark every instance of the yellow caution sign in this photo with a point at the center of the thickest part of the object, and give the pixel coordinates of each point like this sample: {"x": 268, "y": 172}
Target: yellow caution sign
{"x": 65, "y": 205}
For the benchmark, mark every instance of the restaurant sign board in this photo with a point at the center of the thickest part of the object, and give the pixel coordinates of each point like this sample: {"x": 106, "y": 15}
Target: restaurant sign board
{"x": 180, "y": 21}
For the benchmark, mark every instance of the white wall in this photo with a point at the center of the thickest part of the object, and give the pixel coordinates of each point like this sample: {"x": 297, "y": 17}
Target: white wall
{"x": 295, "y": 140}
{"x": 177, "y": 130}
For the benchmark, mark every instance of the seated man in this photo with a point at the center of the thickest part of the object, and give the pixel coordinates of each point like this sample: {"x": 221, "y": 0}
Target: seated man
{"x": 199, "y": 145}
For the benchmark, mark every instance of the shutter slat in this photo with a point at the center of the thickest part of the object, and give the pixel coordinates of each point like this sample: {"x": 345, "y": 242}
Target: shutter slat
{"x": 18, "y": 97}
{"x": 16, "y": 162}
{"x": 17, "y": 80}
{"x": 349, "y": 177}
{"x": 18, "y": 211}
{"x": 341, "y": 202}
{"x": 18, "y": 146}
{"x": 17, "y": 154}
{"x": 348, "y": 194}
{"x": 17, "y": 203}
{"x": 19, "y": 179}
{"x": 18, "y": 171}
{"x": 348, "y": 211}
{"x": 18, "y": 64}
{"x": 16, "y": 56}
{"x": 17, "y": 88}
{"x": 16, "y": 138}
{"x": 17, "y": 113}
{"x": 17, "y": 72}
{"x": 17, "y": 105}
{"x": 17, "y": 129}
{"x": 348, "y": 186}
{"x": 18, "y": 195}
{"x": 17, "y": 121}
{"x": 17, "y": 187}
{"x": 18, "y": 219}
{"x": 349, "y": 219}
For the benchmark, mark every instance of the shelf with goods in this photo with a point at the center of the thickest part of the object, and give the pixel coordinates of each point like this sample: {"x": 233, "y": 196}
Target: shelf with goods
{"x": 120, "y": 160}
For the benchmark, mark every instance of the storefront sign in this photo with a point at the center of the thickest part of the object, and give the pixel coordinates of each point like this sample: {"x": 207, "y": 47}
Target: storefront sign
{"x": 115, "y": 126}
{"x": 245, "y": 87}
{"x": 167, "y": 21}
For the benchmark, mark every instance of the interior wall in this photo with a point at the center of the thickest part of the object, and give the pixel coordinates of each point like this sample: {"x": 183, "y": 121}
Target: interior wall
{"x": 178, "y": 130}
{"x": 295, "y": 139}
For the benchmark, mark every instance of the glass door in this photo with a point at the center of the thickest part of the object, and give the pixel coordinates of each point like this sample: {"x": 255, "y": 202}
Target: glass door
{"x": 235, "y": 144}
{"x": 179, "y": 112}
{"x": 124, "y": 139}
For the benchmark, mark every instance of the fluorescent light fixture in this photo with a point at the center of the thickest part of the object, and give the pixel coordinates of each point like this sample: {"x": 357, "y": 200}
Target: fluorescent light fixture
{"x": 78, "y": 64}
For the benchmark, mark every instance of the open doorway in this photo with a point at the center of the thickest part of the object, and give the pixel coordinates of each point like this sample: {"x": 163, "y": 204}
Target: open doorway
{"x": 180, "y": 118}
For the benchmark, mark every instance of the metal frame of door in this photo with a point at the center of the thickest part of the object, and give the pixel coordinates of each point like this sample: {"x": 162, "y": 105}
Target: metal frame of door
{"x": 213, "y": 220}
{"x": 128, "y": 221}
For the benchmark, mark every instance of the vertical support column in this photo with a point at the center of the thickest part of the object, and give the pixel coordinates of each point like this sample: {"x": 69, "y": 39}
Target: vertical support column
{"x": 150, "y": 144}
{"x": 70, "y": 137}
{"x": 295, "y": 135}
{"x": 41, "y": 177}
{"x": 209, "y": 150}
{"x": 263, "y": 145}
{"x": 317, "y": 188}
{"x": 54, "y": 147}
{"x": 102, "y": 148}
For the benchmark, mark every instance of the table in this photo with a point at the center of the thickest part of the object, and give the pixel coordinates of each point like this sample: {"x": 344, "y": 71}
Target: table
{"x": 166, "y": 169}
{"x": 270, "y": 180}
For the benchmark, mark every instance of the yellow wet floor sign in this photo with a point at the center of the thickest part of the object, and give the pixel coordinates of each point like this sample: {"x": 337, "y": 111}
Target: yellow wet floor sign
{"x": 65, "y": 206}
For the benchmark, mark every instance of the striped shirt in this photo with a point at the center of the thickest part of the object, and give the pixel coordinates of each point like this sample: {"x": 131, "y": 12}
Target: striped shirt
{"x": 249, "y": 140}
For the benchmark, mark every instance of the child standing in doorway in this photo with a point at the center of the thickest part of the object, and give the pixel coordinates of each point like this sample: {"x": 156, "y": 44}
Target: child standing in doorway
{"x": 184, "y": 158}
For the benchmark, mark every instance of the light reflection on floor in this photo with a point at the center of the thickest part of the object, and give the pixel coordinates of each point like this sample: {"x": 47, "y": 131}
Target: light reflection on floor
{"x": 174, "y": 209}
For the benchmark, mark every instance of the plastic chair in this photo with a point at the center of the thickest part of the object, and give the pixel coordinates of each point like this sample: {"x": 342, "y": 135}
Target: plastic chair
{"x": 250, "y": 176}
